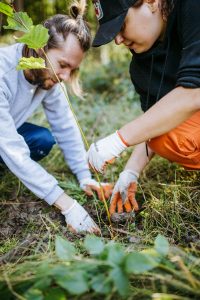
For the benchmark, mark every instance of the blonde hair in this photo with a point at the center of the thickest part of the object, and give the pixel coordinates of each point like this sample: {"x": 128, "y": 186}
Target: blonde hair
{"x": 60, "y": 26}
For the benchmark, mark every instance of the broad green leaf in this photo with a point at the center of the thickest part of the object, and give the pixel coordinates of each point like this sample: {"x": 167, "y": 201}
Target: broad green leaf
{"x": 55, "y": 294}
{"x": 60, "y": 271}
{"x": 43, "y": 269}
{"x": 31, "y": 63}
{"x": 36, "y": 38}
{"x": 161, "y": 245}
{"x": 33, "y": 294}
{"x": 20, "y": 21}
{"x": 64, "y": 249}
{"x": 115, "y": 254}
{"x": 138, "y": 263}
{"x": 121, "y": 281}
{"x": 93, "y": 244}
{"x": 42, "y": 283}
{"x": 101, "y": 285}
{"x": 75, "y": 283}
{"x": 6, "y": 9}
{"x": 152, "y": 254}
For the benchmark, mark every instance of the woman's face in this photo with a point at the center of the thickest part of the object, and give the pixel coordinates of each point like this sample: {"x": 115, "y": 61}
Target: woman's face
{"x": 143, "y": 26}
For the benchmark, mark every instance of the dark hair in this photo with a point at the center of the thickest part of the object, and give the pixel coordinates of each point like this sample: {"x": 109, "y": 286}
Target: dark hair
{"x": 166, "y": 6}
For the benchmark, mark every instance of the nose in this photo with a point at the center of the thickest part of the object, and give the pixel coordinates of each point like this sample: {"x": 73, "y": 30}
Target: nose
{"x": 65, "y": 75}
{"x": 119, "y": 39}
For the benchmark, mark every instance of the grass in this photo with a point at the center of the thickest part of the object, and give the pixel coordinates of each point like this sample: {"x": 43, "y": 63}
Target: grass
{"x": 169, "y": 197}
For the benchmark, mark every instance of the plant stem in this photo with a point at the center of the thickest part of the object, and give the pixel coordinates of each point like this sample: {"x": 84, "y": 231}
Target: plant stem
{"x": 82, "y": 134}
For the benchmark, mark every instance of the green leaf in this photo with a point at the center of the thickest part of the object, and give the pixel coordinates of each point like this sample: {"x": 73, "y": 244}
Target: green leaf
{"x": 101, "y": 285}
{"x": 20, "y": 21}
{"x": 161, "y": 245}
{"x": 33, "y": 294}
{"x": 64, "y": 249}
{"x": 138, "y": 263}
{"x": 42, "y": 283}
{"x": 121, "y": 281}
{"x": 75, "y": 283}
{"x": 36, "y": 38}
{"x": 115, "y": 254}
{"x": 6, "y": 9}
{"x": 60, "y": 270}
{"x": 93, "y": 244}
{"x": 55, "y": 294}
{"x": 31, "y": 63}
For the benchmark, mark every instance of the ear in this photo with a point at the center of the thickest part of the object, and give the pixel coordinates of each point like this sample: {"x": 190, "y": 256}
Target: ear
{"x": 153, "y": 5}
{"x": 39, "y": 52}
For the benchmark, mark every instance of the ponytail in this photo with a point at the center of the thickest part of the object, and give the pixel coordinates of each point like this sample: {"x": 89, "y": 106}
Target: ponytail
{"x": 77, "y": 9}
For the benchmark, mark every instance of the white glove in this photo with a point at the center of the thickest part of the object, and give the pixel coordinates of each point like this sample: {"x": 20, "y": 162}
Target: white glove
{"x": 123, "y": 196}
{"x": 89, "y": 186}
{"x": 79, "y": 221}
{"x": 104, "y": 150}
{"x": 125, "y": 179}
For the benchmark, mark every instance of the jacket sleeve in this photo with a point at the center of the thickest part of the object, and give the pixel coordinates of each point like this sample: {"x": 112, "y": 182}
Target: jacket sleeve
{"x": 189, "y": 30}
{"x": 16, "y": 155}
{"x": 66, "y": 132}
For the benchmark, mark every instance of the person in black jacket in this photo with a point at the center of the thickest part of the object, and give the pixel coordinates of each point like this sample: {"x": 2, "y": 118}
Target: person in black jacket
{"x": 164, "y": 39}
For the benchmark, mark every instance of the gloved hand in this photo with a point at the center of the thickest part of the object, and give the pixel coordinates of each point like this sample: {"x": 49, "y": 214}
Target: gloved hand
{"x": 89, "y": 186}
{"x": 123, "y": 196}
{"x": 79, "y": 221}
{"x": 105, "y": 150}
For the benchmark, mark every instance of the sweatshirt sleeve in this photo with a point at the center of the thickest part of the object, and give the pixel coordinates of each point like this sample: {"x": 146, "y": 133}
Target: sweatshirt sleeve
{"x": 16, "y": 155}
{"x": 189, "y": 29}
{"x": 66, "y": 132}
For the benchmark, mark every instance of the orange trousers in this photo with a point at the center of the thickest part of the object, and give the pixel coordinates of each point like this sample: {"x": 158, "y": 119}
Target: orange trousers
{"x": 181, "y": 145}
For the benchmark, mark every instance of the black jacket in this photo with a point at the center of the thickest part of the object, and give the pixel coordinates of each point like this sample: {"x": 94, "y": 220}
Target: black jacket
{"x": 173, "y": 62}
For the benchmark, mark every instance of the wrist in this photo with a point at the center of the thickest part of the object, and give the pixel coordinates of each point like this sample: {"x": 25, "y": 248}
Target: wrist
{"x": 122, "y": 139}
{"x": 85, "y": 180}
{"x": 64, "y": 202}
{"x": 132, "y": 172}
{"x": 67, "y": 211}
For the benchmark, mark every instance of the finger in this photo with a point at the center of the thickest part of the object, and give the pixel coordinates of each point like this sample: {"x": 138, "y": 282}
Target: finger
{"x": 96, "y": 230}
{"x": 131, "y": 195}
{"x": 71, "y": 228}
{"x": 133, "y": 187}
{"x": 98, "y": 190}
{"x": 88, "y": 191}
{"x": 103, "y": 169}
{"x": 127, "y": 206}
{"x": 113, "y": 203}
{"x": 93, "y": 169}
{"x": 119, "y": 206}
{"x": 133, "y": 202}
{"x": 108, "y": 188}
{"x": 111, "y": 161}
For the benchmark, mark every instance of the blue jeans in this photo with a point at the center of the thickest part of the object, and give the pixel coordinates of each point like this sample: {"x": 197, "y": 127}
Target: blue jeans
{"x": 39, "y": 140}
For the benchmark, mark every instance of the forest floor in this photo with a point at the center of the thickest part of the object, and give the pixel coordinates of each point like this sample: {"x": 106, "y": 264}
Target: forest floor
{"x": 169, "y": 199}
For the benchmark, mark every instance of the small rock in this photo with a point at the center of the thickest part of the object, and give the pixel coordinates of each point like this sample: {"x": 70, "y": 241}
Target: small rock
{"x": 123, "y": 217}
{"x": 134, "y": 240}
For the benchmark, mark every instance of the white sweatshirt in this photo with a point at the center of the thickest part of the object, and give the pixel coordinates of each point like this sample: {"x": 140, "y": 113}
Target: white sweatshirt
{"x": 18, "y": 100}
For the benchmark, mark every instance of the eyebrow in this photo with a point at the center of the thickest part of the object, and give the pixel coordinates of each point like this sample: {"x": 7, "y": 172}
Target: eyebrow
{"x": 64, "y": 62}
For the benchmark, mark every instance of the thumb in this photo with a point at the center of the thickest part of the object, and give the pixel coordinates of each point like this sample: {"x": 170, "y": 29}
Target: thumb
{"x": 98, "y": 190}
{"x": 87, "y": 189}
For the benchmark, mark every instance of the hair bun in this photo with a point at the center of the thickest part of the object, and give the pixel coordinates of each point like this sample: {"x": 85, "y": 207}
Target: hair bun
{"x": 77, "y": 8}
